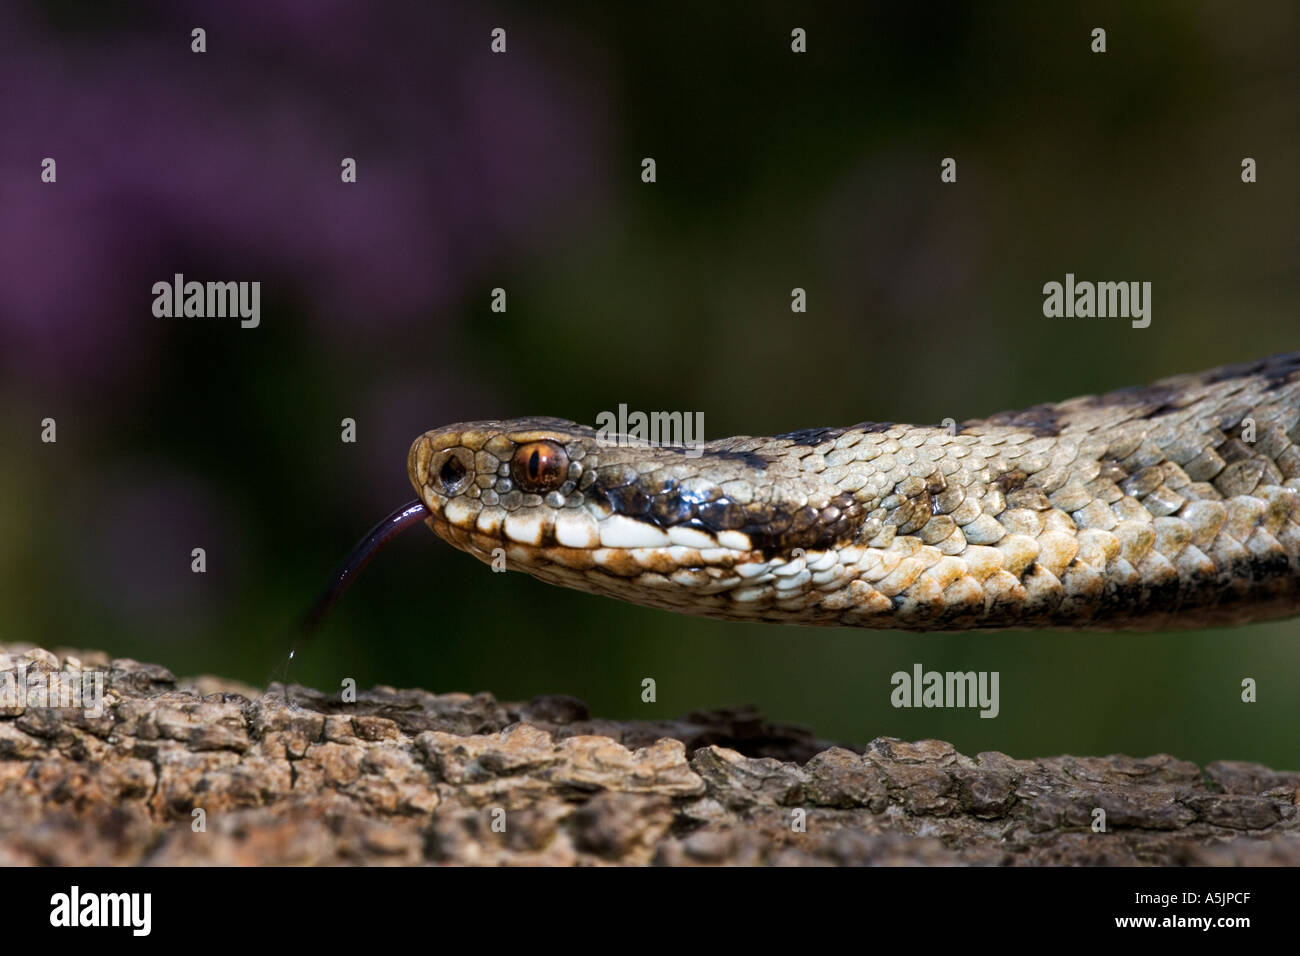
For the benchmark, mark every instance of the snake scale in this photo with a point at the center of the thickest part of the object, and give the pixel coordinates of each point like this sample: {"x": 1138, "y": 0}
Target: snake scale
{"x": 1172, "y": 505}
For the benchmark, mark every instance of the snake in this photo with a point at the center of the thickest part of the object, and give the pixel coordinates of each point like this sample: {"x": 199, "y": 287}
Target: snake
{"x": 1167, "y": 506}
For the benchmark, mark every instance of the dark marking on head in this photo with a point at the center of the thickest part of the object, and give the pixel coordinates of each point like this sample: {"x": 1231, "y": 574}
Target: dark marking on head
{"x": 721, "y": 515}
{"x": 1043, "y": 421}
{"x": 668, "y": 510}
{"x": 772, "y": 528}
{"x": 751, "y": 458}
{"x": 775, "y": 531}
{"x": 628, "y": 500}
{"x": 813, "y": 436}
{"x": 1160, "y": 410}
{"x": 1157, "y": 396}
{"x": 1276, "y": 370}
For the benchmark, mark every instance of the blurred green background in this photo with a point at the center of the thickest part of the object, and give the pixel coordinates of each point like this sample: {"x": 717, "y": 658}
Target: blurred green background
{"x": 522, "y": 171}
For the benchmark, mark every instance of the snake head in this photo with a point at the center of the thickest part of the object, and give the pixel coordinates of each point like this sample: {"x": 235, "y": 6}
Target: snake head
{"x": 651, "y": 524}
{"x": 492, "y": 482}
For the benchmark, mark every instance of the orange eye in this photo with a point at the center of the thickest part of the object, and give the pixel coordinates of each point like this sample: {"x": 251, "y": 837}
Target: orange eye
{"x": 539, "y": 466}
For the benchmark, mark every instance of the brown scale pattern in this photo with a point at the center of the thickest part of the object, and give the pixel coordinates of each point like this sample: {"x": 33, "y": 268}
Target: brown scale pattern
{"x": 1170, "y": 505}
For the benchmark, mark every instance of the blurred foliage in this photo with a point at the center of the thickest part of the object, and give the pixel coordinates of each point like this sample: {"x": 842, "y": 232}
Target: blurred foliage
{"x": 775, "y": 170}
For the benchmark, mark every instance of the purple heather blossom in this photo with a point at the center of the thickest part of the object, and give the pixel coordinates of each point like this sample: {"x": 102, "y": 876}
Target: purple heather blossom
{"x": 226, "y": 165}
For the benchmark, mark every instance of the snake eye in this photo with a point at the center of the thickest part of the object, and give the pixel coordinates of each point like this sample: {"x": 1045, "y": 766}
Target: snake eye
{"x": 453, "y": 469}
{"x": 539, "y": 466}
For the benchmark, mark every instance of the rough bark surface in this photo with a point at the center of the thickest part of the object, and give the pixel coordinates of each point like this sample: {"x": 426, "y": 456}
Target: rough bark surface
{"x": 410, "y": 777}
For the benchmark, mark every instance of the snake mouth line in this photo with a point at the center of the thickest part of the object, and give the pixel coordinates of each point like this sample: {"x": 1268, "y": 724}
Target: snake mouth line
{"x": 617, "y": 561}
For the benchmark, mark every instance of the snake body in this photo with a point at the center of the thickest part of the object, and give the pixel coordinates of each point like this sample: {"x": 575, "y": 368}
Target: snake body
{"x": 1170, "y": 505}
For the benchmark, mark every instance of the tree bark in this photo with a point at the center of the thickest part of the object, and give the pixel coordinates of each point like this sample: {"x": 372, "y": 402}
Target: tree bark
{"x": 205, "y": 771}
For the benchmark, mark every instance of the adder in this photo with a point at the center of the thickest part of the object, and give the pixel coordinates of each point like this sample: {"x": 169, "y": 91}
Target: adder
{"x": 1172, "y": 505}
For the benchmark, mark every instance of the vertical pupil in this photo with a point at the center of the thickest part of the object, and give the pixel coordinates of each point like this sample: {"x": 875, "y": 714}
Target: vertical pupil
{"x": 533, "y": 464}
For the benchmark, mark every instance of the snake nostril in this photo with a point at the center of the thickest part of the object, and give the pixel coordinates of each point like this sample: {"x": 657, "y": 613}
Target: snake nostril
{"x": 453, "y": 471}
